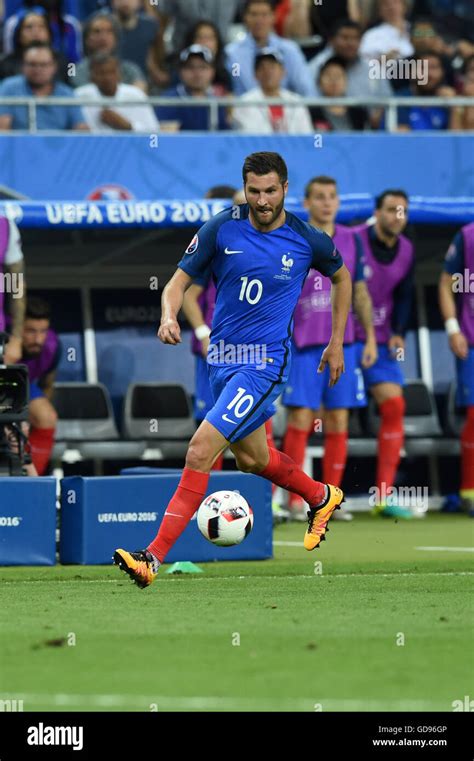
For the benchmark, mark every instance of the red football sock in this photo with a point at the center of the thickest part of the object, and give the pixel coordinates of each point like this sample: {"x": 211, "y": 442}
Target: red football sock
{"x": 269, "y": 432}
{"x": 184, "y": 503}
{"x": 219, "y": 462}
{"x": 41, "y": 444}
{"x": 390, "y": 441}
{"x": 270, "y": 441}
{"x": 294, "y": 446}
{"x": 467, "y": 451}
{"x": 283, "y": 471}
{"x": 335, "y": 457}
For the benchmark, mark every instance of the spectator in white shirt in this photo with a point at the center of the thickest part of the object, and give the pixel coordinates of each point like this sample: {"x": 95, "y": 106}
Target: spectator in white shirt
{"x": 266, "y": 119}
{"x": 105, "y": 76}
{"x": 392, "y": 37}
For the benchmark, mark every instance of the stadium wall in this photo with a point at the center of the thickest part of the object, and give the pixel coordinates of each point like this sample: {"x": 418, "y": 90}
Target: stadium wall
{"x": 75, "y": 167}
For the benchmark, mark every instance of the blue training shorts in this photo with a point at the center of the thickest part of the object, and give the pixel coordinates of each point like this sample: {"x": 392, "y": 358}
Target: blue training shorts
{"x": 243, "y": 398}
{"x": 465, "y": 373}
{"x": 308, "y": 388}
{"x": 35, "y": 391}
{"x": 385, "y": 370}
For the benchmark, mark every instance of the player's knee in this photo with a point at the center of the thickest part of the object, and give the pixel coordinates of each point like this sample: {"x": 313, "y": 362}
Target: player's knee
{"x": 393, "y": 409}
{"x": 336, "y": 421}
{"x": 300, "y": 417}
{"x": 44, "y": 416}
{"x": 249, "y": 464}
{"x": 197, "y": 456}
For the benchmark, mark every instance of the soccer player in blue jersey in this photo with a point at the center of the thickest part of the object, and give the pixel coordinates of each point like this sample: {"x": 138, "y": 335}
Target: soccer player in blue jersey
{"x": 259, "y": 256}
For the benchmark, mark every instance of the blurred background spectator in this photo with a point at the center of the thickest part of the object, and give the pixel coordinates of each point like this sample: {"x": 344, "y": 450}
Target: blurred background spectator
{"x": 196, "y": 74}
{"x": 259, "y": 19}
{"x": 140, "y": 39}
{"x": 207, "y": 33}
{"x": 428, "y": 117}
{"x": 101, "y": 35}
{"x": 391, "y": 37}
{"x": 32, "y": 26}
{"x": 332, "y": 83}
{"x": 454, "y": 18}
{"x": 305, "y": 18}
{"x": 266, "y": 119}
{"x": 463, "y": 116}
{"x": 105, "y": 82}
{"x": 65, "y": 28}
{"x": 38, "y": 80}
{"x": 184, "y": 13}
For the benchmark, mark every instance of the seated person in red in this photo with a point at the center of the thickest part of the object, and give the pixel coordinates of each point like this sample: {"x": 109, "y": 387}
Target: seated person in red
{"x": 41, "y": 353}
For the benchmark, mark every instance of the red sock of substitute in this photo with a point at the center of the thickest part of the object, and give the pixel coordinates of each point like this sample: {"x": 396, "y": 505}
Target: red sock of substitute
{"x": 219, "y": 462}
{"x": 467, "y": 452}
{"x": 390, "y": 441}
{"x": 294, "y": 446}
{"x": 335, "y": 457}
{"x": 270, "y": 440}
{"x": 283, "y": 471}
{"x": 184, "y": 503}
{"x": 41, "y": 444}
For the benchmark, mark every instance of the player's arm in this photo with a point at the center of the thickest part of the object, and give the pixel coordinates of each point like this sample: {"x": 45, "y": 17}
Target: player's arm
{"x": 194, "y": 265}
{"x": 447, "y": 304}
{"x": 341, "y": 297}
{"x": 195, "y": 317}
{"x": 171, "y": 302}
{"x": 363, "y": 309}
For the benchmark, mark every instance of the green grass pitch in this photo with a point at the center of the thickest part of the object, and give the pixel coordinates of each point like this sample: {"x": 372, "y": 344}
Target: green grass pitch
{"x": 380, "y": 625}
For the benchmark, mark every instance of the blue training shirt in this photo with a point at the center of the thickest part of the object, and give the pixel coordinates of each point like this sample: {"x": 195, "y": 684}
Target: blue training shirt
{"x": 258, "y": 276}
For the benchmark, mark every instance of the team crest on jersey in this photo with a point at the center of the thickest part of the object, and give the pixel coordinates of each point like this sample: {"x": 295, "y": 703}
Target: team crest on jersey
{"x": 193, "y": 245}
{"x": 287, "y": 264}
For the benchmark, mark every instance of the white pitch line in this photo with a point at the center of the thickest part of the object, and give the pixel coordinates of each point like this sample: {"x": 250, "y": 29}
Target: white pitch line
{"x": 446, "y": 549}
{"x": 287, "y": 544}
{"x": 169, "y": 703}
{"x": 254, "y": 577}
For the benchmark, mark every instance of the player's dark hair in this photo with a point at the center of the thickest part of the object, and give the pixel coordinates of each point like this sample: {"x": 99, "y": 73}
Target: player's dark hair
{"x": 39, "y": 46}
{"x": 322, "y": 179}
{"x": 390, "y": 192}
{"x": 254, "y": 2}
{"x": 335, "y": 60}
{"x": 98, "y": 59}
{"x": 344, "y": 23}
{"x": 37, "y": 309}
{"x": 265, "y": 162}
{"x": 221, "y": 191}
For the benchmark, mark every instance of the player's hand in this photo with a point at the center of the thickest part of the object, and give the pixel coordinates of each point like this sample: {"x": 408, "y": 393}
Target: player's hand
{"x": 370, "y": 353}
{"x": 169, "y": 332}
{"x": 395, "y": 343}
{"x": 333, "y": 355}
{"x": 459, "y": 346}
{"x": 204, "y": 346}
{"x": 13, "y": 351}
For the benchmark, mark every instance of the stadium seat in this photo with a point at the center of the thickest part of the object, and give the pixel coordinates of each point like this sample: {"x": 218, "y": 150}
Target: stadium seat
{"x": 455, "y": 417}
{"x": 421, "y": 418}
{"x": 161, "y": 413}
{"x": 86, "y": 420}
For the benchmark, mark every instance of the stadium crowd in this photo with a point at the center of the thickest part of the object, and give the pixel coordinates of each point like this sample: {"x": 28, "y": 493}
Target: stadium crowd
{"x": 250, "y": 49}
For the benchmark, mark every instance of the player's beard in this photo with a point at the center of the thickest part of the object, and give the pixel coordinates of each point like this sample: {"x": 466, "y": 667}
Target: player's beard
{"x": 267, "y": 221}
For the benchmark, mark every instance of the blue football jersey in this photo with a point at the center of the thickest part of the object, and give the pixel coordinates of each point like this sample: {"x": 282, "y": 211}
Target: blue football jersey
{"x": 258, "y": 276}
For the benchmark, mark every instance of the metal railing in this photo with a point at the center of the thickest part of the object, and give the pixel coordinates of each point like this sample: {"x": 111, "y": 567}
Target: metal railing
{"x": 390, "y": 104}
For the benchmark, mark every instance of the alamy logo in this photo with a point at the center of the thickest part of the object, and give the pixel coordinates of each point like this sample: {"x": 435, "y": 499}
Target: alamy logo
{"x": 11, "y": 706}
{"x": 41, "y": 735}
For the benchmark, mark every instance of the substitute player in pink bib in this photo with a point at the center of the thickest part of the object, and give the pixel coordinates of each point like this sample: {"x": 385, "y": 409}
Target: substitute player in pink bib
{"x": 306, "y": 392}
{"x": 458, "y": 314}
{"x": 389, "y": 265}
